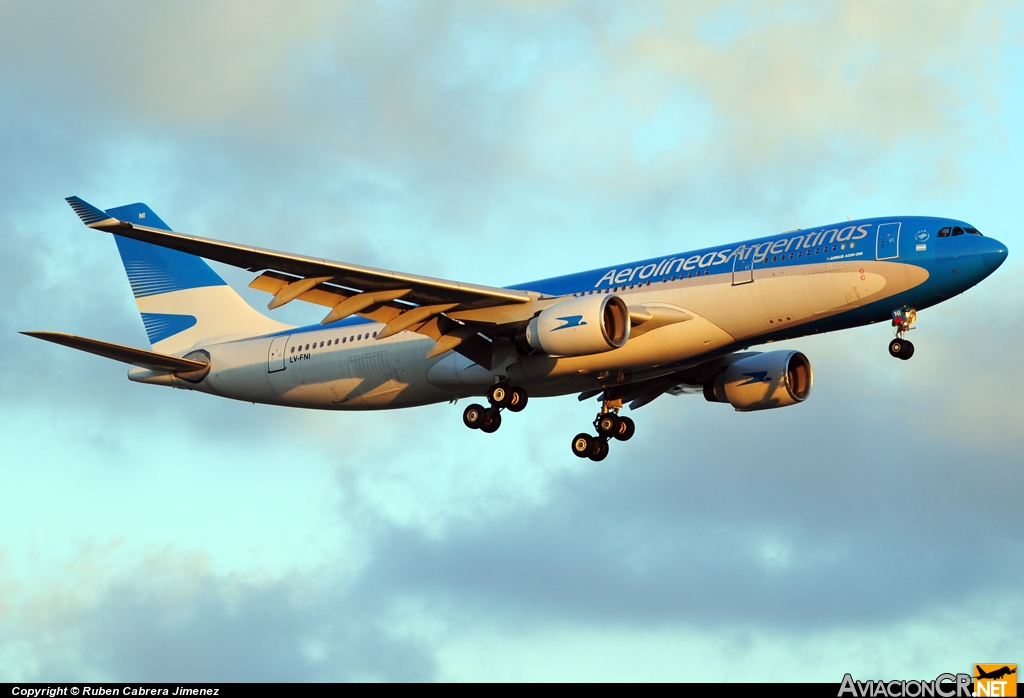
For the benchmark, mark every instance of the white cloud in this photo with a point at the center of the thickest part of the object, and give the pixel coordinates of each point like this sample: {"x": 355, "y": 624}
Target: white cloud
{"x": 196, "y": 536}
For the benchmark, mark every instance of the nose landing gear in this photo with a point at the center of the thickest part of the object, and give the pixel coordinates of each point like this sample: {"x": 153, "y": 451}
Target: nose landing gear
{"x": 609, "y": 425}
{"x": 501, "y": 395}
{"x": 903, "y": 320}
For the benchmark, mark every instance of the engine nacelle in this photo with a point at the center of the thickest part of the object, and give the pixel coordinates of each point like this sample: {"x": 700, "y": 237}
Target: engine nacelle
{"x": 763, "y": 381}
{"x": 579, "y": 326}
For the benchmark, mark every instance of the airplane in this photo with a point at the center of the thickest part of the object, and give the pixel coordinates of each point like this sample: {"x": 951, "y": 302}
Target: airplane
{"x": 626, "y": 334}
{"x": 995, "y": 674}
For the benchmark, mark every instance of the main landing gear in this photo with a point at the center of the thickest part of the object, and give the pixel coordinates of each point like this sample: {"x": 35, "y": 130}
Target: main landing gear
{"x": 501, "y": 396}
{"x": 609, "y": 425}
{"x": 903, "y": 320}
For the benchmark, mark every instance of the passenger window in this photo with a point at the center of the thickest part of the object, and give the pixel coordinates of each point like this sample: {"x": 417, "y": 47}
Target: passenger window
{"x": 293, "y": 350}
{"x": 344, "y": 339}
{"x": 774, "y": 259}
{"x": 944, "y": 233}
{"x": 374, "y": 334}
{"x": 307, "y": 348}
{"x": 958, "y": 231}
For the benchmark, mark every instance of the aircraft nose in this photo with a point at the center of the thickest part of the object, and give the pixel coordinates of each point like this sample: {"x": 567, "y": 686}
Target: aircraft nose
{"x": 995, "y": 255}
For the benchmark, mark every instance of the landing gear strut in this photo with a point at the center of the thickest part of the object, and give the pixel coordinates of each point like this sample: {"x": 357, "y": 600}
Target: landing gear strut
{"x": 903, "y": 320}
{"x": 609, "y": 425}
{"x": 501, "y": 395}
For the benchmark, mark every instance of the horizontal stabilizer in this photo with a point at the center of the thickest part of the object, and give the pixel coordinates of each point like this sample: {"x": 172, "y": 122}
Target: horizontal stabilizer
{"x": 119, "y": 352}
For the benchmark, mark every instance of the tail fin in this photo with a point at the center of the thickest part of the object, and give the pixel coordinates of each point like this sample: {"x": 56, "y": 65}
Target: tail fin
{"x": 182, "y": 300}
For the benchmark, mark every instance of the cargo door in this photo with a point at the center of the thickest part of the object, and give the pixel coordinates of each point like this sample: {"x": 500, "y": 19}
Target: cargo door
{"x": 375, "y": 373}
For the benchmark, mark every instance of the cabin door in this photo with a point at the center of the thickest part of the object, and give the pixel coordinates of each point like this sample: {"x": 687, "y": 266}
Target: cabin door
{"x": 742, "y": 269}
{"x": 887, "y": 244}
{"x": 275, "y": 358}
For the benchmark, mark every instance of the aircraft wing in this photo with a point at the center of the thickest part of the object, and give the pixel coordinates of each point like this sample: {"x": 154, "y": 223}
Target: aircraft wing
{"x": 689, "y": 380}
{"x": 403, "y": 301}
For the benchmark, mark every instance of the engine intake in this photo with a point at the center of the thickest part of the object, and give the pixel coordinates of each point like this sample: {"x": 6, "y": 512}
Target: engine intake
{"x": 579, "y": 326}
{"x": 763, "y": 381}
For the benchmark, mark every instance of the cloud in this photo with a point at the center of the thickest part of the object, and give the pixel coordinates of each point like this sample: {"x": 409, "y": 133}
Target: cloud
{"x": 171, "y": 620}
{"x": 661, "y": 103}
{"x": 495, "y": 144}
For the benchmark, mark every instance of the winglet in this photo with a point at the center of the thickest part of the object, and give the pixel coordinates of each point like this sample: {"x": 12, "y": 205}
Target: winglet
{"x": 89, "y": 214}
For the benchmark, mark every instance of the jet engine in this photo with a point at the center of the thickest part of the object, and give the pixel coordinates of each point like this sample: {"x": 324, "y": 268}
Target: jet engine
{"x": 763, "y": 381}
{"x": 579, "y": 326}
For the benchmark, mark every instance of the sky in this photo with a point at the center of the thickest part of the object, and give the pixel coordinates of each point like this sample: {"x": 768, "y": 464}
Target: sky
{"x": 164, "y": 535}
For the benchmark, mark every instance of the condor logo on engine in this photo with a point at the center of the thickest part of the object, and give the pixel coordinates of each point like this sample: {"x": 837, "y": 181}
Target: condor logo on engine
{"x": 570, "y": 321}
{"x": 600, "y": 323}
{"x": 756, "y": 377}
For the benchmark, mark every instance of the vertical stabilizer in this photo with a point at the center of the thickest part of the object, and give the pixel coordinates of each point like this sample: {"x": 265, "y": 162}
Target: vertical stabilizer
{"x": 182, "y": 300}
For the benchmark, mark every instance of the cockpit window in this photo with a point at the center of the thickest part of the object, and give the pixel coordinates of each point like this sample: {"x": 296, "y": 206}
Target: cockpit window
{"x": 973, "y": 231}
{"x": 958, "y": 231}
{"x": 944, "y": 233}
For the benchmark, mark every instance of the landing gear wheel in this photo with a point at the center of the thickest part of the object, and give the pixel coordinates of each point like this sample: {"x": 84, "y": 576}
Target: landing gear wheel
{"x": 499, "y": 395}
{"x": 582, "y": 445}
{"x": 896, "y": 348}
{"x": 607, "y": 424}
{"x": 907, "y": 351}
{"x": 492, "y": 420}
{"x": 600, "y": 450}
{"x": 626, "y": 429}
{"x": 473, "y": 416}
{"x": 518, "y": 400}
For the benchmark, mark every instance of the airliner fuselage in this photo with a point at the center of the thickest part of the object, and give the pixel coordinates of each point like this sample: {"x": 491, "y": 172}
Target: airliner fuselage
{"x": 627, "y": 333}
{"x": 803, "y": 288}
